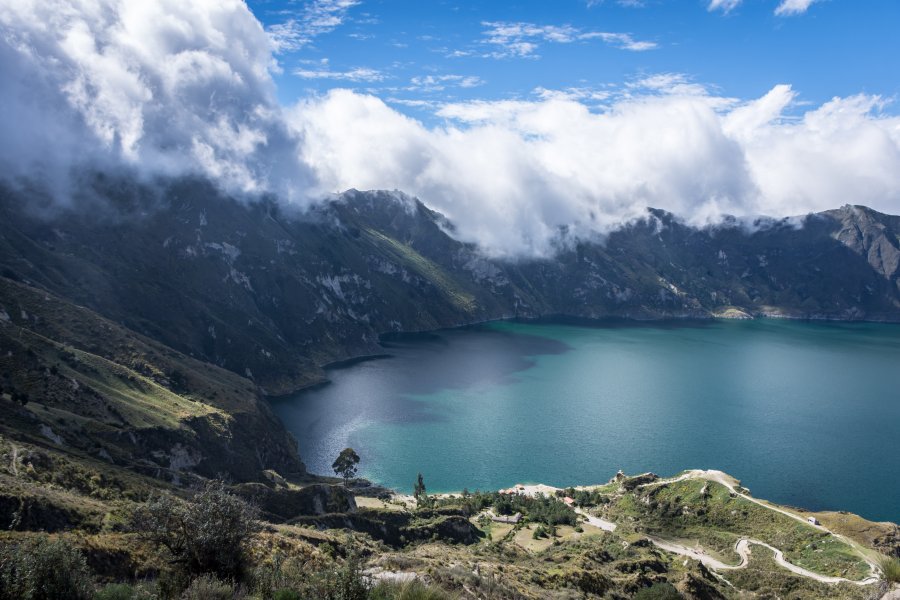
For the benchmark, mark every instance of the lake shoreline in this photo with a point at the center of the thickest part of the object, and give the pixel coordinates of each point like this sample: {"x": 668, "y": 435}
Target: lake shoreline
{"x": 637, "y": 396}
{"x": 318, "y": 377}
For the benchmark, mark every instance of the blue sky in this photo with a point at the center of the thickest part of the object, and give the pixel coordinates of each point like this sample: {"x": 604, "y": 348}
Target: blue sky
{"x": 455, "y": 50}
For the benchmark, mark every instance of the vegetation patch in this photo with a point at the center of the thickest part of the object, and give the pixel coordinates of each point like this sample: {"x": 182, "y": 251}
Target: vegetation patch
{"x": 708, "y": 512}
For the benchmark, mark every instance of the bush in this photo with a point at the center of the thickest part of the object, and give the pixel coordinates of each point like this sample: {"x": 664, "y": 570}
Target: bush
{"x": 115, "y": 591}
{"x": 659, "y": 591}
{"x": 345, "y": 583}
{"x": 280, "y": 576}
{"x": 44, "y": 569}
{"x": 891, "y": 569}
{"x": 208, "y": 535}
{"x": 208, "y": 587}
{"x": 411, "y": 590}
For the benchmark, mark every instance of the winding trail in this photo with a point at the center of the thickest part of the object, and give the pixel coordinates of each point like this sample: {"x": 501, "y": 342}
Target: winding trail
{"x": 742, "y": 547}
{"x": 597, "y": 521}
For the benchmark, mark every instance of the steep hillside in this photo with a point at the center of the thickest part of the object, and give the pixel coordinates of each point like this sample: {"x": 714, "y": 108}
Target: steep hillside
{"x": 91, "y": 389}
{"x": 271, "y": 294}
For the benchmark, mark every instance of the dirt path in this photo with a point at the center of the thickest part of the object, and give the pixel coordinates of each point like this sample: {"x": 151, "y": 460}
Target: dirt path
{"x": 14, "y": 464}
{"x": 597, "y": 521}
{"x": 731, "y": 484}
{"x": 742, "y": 547}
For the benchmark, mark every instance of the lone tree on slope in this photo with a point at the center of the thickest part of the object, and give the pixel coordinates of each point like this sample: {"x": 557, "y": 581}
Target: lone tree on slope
{"x": 345, "y": 464}
{"x": 419, "y": 492}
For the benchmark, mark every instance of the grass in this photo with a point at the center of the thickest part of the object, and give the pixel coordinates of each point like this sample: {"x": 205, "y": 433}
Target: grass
{"x": 717, "y": 520}
{"x": 426, "y": 268}
{"x": 410, "y": 590}
{"x": 766, "y": 579}
{"x": 890, "y": 566}
{"x": 140, "y": 401}
{"x": 525, "y": 540}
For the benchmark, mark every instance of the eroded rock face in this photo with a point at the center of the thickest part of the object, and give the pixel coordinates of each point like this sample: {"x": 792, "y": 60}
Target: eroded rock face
{"x": 699, "y": 586}
{"x": 400, "y": 528}
{"x": 281, "y": 504}
{"x": 889, "y": 543}
{"x": 23, "y": 513}
{"x": 630, "y": 483}
{"x": 871, "y": 235}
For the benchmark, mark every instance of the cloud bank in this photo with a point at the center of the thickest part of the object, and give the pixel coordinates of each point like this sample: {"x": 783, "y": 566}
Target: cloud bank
{"x": 511, "y": 173}
{"x": 169, "y": 88}
{"x": 165, "y": 87}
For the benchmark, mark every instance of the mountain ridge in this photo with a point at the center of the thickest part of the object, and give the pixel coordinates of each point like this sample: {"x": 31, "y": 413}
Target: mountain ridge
{"x": 273, "y": 296}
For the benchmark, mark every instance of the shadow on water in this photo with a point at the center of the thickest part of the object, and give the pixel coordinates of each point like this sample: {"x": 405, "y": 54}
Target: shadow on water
{"x": 392, "y": 388}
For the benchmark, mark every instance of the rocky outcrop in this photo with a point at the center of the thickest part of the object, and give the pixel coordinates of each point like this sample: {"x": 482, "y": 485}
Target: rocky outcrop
{"x": 871, "y": 235}
{"x": 281, "y": 504}
{"x": 400, "y": 528}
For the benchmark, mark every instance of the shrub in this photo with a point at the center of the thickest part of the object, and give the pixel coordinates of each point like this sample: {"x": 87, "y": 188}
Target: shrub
{"x": 411, "y": 590}
{"x": 280, "y": 576}
{"x": 124, "y": 591}
{"x": 115, "y": 591}
{"x": 208, "y": 535}
{"x": 208, "y": 587}
{"x": 891, "y": 568}
{"x": 659, "y": 591}
{"x": 44, "y": 569}
{"x": 345, "y": 583}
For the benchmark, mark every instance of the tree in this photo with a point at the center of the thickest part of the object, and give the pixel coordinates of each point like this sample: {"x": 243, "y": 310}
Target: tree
{"x": 419, "y": 491}
{"x": 345, "y": 464}
{"x": 208, "y": 535}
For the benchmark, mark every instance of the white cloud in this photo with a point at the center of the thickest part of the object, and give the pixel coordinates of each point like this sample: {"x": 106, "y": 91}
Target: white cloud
{"x": 510, "y": 173}
{"x": 793, "y": 7}
{"x": 171, "y": 88}
{"x": 574, "y": 93}
{"x": 521, "y": 40}
{"x": 437, "y": 83}
{"x": 318, "y": 17}
{"x": 674, "y": 84}
{"x": 725, "y": 6}
{"x": 623, "y": 41}
{"x": 628, "y": 3}
{"x": 164, "y": 87}
{"x": 357, "y": 74}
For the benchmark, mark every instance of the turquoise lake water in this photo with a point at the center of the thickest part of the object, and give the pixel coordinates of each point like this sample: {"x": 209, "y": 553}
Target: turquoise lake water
{"x": 806, "y": 414}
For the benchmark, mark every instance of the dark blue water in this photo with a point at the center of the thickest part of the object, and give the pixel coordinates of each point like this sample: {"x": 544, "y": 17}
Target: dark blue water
{"x": 805, "y": 414}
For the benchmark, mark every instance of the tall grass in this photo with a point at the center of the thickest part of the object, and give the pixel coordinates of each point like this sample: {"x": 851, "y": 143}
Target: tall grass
{"x": 410, "y": 590}
{"x": 890, "y": 566}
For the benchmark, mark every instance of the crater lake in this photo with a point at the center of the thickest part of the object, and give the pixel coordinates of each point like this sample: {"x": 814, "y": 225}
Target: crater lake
{"x": 805, "y": 414}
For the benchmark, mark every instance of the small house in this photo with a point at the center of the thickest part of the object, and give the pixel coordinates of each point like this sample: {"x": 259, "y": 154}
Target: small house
{"x": 813, "y": 521}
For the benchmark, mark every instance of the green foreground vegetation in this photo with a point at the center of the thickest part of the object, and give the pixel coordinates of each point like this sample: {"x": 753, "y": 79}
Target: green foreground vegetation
{"x": 124, "y": 539}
